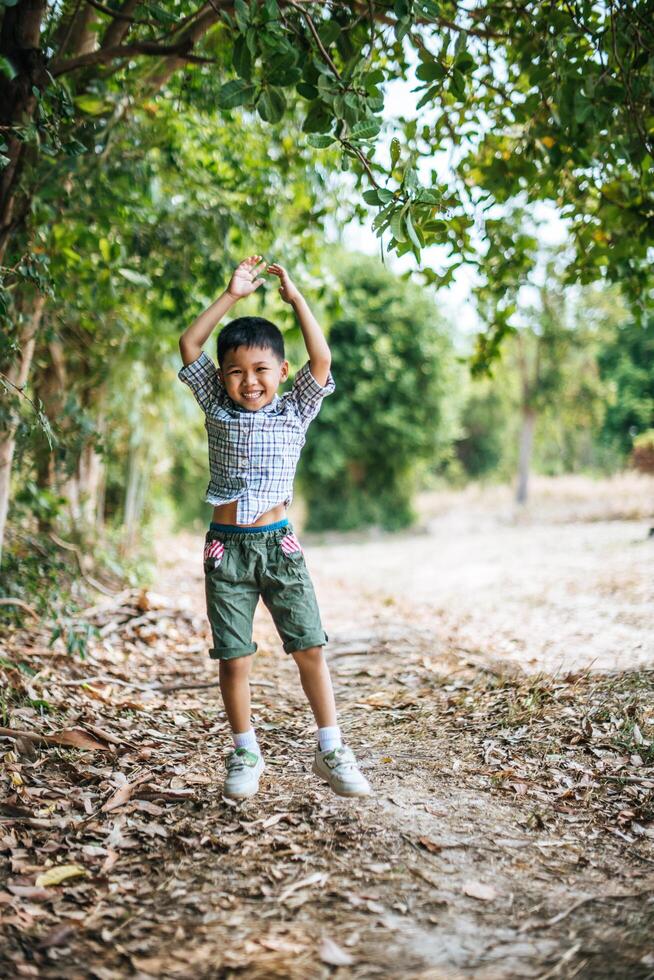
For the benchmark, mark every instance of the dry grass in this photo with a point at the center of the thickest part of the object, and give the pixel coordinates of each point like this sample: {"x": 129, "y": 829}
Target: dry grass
{"x": 563, "y": 499}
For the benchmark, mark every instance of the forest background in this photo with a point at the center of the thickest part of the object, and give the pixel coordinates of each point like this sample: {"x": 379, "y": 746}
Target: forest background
{"x": 149, "y": 147}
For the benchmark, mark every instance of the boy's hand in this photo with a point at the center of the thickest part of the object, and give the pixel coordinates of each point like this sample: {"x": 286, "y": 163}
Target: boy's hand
{"x": 244, "y": 279}
{"x": 288, "y": 290}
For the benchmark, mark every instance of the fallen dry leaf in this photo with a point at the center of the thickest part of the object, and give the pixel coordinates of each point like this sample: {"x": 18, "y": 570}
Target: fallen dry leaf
{"x": 476, "y": 889}
{"x": 54, "y": 876}
{"x": 333, "y": 954}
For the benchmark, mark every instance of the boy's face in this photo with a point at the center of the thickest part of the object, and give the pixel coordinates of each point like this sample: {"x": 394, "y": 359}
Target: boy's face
{"x": 252, "y": 375}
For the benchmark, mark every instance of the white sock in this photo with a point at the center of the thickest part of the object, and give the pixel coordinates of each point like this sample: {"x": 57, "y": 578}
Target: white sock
{"x": 329, "y": 738}
{"x": 246, "y": 740}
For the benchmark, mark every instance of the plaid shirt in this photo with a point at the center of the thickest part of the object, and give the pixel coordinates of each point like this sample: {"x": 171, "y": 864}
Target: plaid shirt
{"x": 253, "y": 455}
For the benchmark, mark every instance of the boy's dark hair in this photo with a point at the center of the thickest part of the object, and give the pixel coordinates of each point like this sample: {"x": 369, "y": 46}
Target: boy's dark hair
{"x": 250, "y": 331}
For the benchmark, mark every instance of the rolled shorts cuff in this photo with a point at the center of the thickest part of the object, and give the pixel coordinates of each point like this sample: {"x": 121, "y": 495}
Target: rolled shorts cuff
{"x": 306, "y": 641}
{"x": 231, "y": 653}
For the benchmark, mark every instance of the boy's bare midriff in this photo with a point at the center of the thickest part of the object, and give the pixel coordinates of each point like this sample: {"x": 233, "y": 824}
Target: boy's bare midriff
{"x": 226, "y": 514}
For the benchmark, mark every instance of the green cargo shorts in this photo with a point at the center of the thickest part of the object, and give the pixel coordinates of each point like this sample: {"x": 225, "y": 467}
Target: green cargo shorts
{"x": 241, "y": 565}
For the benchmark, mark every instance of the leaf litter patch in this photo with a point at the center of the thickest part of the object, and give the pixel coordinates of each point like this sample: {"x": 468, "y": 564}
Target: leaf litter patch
{"x": 510, "y": 811}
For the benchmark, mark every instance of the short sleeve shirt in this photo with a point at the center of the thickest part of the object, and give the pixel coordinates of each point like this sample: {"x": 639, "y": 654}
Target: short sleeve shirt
{"x": 253, "y": 455}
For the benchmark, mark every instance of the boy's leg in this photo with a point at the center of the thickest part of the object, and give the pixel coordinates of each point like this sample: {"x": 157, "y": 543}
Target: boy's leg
{"x": 232, "y": 596}
{"x": 234, "y": 676}
{"x": 317, "y": 684}
{"x": 287, "y": 591}
{"x": 333, "y": 761}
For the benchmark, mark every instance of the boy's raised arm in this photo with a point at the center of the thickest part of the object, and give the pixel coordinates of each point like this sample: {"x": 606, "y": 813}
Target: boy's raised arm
{"x": 243, "y": 282}
{"x": 320, "y": 357}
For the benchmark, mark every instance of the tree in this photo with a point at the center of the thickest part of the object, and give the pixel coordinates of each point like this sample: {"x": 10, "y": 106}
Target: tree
{"x": 548, "y": 102}
{"x": 72, "y": 73}
{"x": 383, "y": 425}
{"x": 139, "y": 244}
{"x": 544, "y": 102}
{"x": 626, "y": 363}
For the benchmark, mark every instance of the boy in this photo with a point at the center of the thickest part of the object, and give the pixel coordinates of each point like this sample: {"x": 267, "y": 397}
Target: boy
{"x": 255, "y": 438}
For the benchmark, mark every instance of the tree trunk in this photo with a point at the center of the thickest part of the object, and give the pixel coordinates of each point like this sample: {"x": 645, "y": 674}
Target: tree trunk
{"x": 90, "y": 479}
{"x": 130, "y": 515}
{"x": 50, "y": 386}
{"x": 17, "y": 376}
{"x": 20, "y": 39}
{"x": 524, "y": 462}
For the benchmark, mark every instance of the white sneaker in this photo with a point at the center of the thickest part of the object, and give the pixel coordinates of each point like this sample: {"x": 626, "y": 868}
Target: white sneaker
{"x": 243, "y": 771}
{"x": 339, "y": 768}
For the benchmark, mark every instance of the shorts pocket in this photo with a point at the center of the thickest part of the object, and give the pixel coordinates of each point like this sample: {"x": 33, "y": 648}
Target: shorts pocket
{"x": 212, "y": 557}
{"x": 291, "y": 547}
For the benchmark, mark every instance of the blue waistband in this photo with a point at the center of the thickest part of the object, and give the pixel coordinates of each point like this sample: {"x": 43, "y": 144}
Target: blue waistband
{"x": 239, "y": 529}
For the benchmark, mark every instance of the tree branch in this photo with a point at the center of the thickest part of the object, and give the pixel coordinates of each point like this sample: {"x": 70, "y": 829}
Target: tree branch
{"x": 119, "y": 27}
{"x": 118, "y": 15}
{"x": 103, "y": 55}
{"x": 316, "y": 37}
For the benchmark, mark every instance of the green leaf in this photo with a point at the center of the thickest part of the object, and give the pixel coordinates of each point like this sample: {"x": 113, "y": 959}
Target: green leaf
{"x": 458, "y": 85}
{"x": 7, "y": 68}
{"x": 320, "y": 141}
{"x": 411, "y": 230}
{"x": 241, "y": 58}
{"x": 307, "y": 91}
{"x": 395, "y": 152}
{"x": 160, "y": 13}
{"x": 92, "y": 105}
{"x": 402, "y": 27}
{"x": 242, "y": 13}
{"x": 385, "y": 196}
{"x": 328, "y": 32}
{"x": 371, "y": 197}
{"x": 365, "y": 130}
{"x": 271, "y": 105}
{"x": 317, "y": 119}
{"x": 396, "y": 225}
{"x": 430, "y": 9}
{"x": 428, "y": 195}
{"x": 235, "y": 93}
{"x": 372, "y": 79}
{"x": 428, "y": 96}
{"x": 465, "y": 62}
{"x": 431, "y": 71}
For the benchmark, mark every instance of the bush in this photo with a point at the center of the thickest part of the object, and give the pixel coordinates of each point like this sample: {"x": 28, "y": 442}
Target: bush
{"x": 484, "y": 422}
{"x": 383, "y": 424}
{"x": 626, "y": 362}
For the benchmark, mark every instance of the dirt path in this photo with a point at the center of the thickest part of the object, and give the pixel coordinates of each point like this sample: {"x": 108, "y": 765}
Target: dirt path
{"x": 511, "y": 834}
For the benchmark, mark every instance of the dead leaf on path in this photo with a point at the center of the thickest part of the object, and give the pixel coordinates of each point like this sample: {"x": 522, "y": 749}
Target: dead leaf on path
{"x": 123, "y": 793}
{"x": 109, "y": 862}
{"x": 199, "y": 779}
{"x": 58, "y": 935}
{"x": 54, "y": 876}
{"x": 476, "y": 889}
{"x": 274, "y": 819}
{"x": 333, "y": 954}
{"x": 154, "y": 966}
{"x": 78, "y": 739}
{"x": 29, "y": 891}
{"x": 313, "y": 879}
{"x": 75, "y": 737}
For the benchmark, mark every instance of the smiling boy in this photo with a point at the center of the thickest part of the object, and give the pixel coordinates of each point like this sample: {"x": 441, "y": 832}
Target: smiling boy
{"x": 251, "y": 550}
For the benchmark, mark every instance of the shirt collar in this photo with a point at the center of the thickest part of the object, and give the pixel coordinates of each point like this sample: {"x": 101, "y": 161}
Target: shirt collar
{"x": 269, "y": 409}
